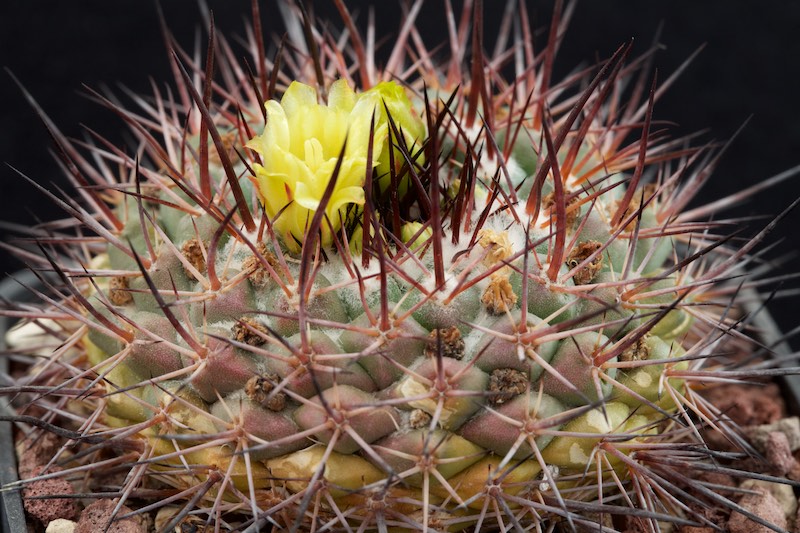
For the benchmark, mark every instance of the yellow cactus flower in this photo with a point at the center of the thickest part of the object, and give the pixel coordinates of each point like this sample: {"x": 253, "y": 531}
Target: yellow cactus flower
{"x": 301, "y": 144}
{"x": 300, "y": 147}
{"x": 390, "y": 96}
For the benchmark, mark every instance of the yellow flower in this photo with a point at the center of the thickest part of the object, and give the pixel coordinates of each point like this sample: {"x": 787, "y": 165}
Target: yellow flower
{"x": 300, "y": 147}
{"x": 389, "y": 95}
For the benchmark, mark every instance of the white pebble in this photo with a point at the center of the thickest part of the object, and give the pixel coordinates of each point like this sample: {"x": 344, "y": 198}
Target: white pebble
{"x": 61, "y": 525}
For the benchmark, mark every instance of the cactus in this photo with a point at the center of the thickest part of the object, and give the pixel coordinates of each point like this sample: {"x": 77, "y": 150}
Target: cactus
{"x": 332, "y": 296}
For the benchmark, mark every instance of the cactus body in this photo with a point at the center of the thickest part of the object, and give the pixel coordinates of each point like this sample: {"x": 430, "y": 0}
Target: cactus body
{"x": 438, "y": 302}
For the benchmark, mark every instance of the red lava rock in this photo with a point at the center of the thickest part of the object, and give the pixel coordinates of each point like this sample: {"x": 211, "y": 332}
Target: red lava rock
{"x": 762, "y": 504}
{"x": 45, "y": 510}
{"x": 713, "y": 515}
{"x": 748, "y": 405}
{"x": 717, "y": 478}
{"x": 96, "y": 517}
{"x": 36, "y": 451}
{"x": 779, "y": 454}
{"x": 789, "y": 426}
{"x": 705, "y": 513}
{"x": 794, "y": 473}
{"x": 634, "y": 525}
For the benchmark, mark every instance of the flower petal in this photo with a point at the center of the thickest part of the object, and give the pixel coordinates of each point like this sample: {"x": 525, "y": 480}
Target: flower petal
{"x": 341, "y": 96}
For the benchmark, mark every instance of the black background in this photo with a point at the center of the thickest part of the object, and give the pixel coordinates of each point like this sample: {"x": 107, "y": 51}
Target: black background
{"x": 750, "y": 66}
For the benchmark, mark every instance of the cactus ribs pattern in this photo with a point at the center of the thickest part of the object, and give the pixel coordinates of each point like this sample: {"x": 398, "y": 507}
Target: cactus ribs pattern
{"x": 506, "y": 326}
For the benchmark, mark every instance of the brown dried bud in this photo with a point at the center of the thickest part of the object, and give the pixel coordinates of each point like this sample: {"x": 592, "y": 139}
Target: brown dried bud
{"x": 496, "y": 244}
{"x": 419, "y": 419}
{"x": 118, "y": 291}
{"x": 192, "y": 250}
{"x": 247, "y": 330}
{"x": 578, "y": 255}
{"x": 635, "y": 205}
{"x": 572, "y": 209}
{"x": 505, "y": 383}
{"x": 260, "y": 275}
{"x": 448, "y": 340}
{"x": 259, "y": 389}
{"x": 638, "y": 351}
{"x": 499, "y": 296}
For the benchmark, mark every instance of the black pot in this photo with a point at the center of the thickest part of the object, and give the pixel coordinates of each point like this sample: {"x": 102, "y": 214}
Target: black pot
{"x": 776, "y": 344}
{"x": 12, "y": 514}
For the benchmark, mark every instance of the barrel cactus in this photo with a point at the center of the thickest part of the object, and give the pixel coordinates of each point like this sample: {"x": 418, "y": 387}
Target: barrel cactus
{"x": 324, "y": 295}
